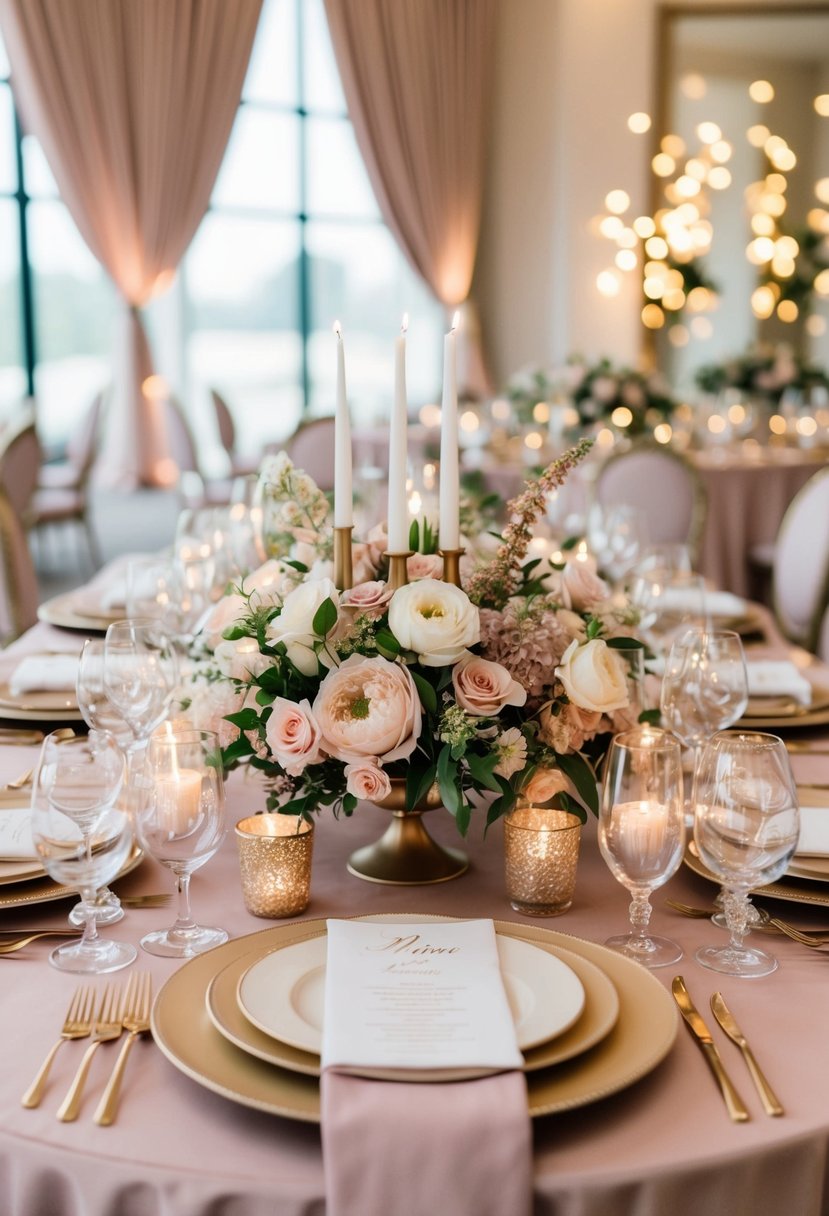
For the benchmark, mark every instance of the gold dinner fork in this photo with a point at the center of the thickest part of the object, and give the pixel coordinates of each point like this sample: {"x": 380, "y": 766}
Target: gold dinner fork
{"x": 76, "y": 1025}
{"x": 136, "y": 1020}
{"x": 107, "y": 1026}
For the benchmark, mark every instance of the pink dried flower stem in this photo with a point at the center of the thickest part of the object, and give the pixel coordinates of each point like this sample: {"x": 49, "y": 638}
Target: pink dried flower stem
{"x": 494, "y": 583}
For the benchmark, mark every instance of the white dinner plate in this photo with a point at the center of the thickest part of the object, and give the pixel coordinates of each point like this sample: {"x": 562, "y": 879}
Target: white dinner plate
{"x": 283, "y": 993}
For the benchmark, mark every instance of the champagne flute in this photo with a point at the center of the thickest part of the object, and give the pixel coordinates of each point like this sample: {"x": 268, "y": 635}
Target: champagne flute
{"x": 746, "y": 829}
{"x": 83, "y": 836}
{"x": 180, "y": 821}
{"x": 642, "y": 832}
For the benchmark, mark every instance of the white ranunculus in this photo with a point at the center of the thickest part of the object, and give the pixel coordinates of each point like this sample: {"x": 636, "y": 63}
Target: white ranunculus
{"x": 435, "y": 619}
{"x": 593, "y": 676}
{"x": 295, "y": 624}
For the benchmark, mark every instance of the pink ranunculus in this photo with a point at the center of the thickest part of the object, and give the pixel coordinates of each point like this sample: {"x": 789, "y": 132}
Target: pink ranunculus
{"x": 368, "y": 707}
{"x": 424, "y": 565}
{"x": 367, "y": 781}
{"x": 544, "y": 784}
{"x": 483, "y": 688}
{"x": 581, "y": 586}
{"x": 294, "y": 736}
{"x": 368, "y": 599}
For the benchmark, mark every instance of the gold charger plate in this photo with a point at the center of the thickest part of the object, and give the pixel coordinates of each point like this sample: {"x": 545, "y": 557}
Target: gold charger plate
{"x": 62, "y": 611}
{"x": 52, "y": 701}
{"x": 643, "y": 1035}
{"x": 18, "y": 871}
{"x": 793, "y": 890}
{"x": 44, "y": 890}
{"x": 601, "y": 1010}
{"x": 784, "y": 712}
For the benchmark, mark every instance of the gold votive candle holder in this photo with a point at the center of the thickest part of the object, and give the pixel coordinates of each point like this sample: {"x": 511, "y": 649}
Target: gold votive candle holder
{"x": 541, "y": 850}
{"x": 275, "y": 860}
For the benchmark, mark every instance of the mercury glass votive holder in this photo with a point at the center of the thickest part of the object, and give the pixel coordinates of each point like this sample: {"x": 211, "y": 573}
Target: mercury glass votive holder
{"x": 275, "y": 860}
{"x": 541, "y": 849}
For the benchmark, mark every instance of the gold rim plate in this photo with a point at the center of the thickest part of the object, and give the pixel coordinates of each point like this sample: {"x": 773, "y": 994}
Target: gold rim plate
{"x": 52, "y": 701}
{"x": 641, "y": 1038}
{"x": 44, "y": 890}
{"x": 796, "y": 890}
{"x": 18, "y": 871}
{"x": 786, "y": 713}
{"x": 60, "y": 611}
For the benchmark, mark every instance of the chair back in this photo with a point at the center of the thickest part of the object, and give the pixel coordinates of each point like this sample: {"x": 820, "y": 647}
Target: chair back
{"x": 800, "y": 571}
{"x": 180, "y": 442}
{"x": 224, "y": 422}
{"x": 83, "y": 443}
{"x": 20, "y": 461}
{"x": 662, "y": 485}
{"x": 311, "y": 448}
{"x": 18, "y": 582}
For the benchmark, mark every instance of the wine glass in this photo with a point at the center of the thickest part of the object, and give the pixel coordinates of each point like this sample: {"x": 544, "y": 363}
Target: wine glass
{"x": 616, "y": 535}
{"x": 669, "y": 602}
{"x": 140, "y": 674}
{"x": 83, "y": 836}
{"x": 180, "y": 821}
{"x": 642, "y": 832}
{"x": 746, "y": 828}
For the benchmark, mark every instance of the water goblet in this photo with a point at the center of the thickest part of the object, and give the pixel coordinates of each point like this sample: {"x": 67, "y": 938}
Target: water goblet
{"x": 83, "y": 836}
{"x": 642, "y": 832}
{"x": 140, "y": 674}
{"x": 704, "y": 686}
{"x": 180, "y": 821}
{"x": 746, "y": 827}
{"x": 669, "y": 602}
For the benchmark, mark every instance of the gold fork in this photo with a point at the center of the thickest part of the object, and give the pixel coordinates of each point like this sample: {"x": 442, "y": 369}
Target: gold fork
{"x": 810, "y": 937}
{"x": 107, "y": 1026}
{"x": 145, "y": 901}
{"x": 76, "y": 1025}
{"x": 136, "y": 1020}
{"x": 12, "y": 945}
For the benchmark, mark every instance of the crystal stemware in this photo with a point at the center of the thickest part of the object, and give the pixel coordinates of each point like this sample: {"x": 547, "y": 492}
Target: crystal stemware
{"x": 669, "y": 602}
{"x": 704, "y": 686}
{"x": 180, "y": 821}
{"x": 642, "y": 832}
{"x": 140, "y": 675}
{"x": 746, "y": 828}
{"x": 83, "y": 836}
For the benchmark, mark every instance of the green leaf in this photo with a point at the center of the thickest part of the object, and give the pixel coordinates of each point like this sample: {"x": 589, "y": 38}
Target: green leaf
{"x": 447, "y": 774}
{"x": 445, "y": 678}
{"x": 236, "y": 750}
{"x": 650, "y": 717}
{"x": 482, "y": 770}
{"x": 463, "y": 816}
{"x": 427, "y": 694}
{"x": 387, "y": 642}
{"x": 569, "y": 543}
{"x": 349, "y": 804}
{"x": 234, "y": 632}
{"x": 625, "y": 644}
{"x": 325, "y": 617}
{"x": 594, "y": 628}
{"x": 414, "y": 536}
{"x": 245, "y": 719}
{"x": 418, "y": 782}
{"x": 576, "y": 768}
{"x": 569, "y": 804}
{"x": 263, "y": 697}
{"x": 294, "y": 564}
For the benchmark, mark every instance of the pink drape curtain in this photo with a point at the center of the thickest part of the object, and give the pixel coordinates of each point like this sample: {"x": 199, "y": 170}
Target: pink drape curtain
{"x": 417, "y": 76}
{"x": 133, "y": 102}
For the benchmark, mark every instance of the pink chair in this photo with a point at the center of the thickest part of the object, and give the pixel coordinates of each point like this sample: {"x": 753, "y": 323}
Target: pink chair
{"x": 20, "y": 461}
{"x": 18, "y": 582}
{"x": 239, "y": 466}
{"x": 662, "y": 485}
{"x": 800, "y": 570}
{"x": 61, "y": 496}
{"x": 311, "y": 448}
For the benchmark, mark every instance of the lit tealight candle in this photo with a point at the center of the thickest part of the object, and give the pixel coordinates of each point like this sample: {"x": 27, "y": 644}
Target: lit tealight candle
{"x": 178, "y": 801}
{"x": 641, "y": 830}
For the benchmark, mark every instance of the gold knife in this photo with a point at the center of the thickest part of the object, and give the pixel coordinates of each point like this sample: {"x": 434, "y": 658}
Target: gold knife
{"x": 734, "y": 1103}
{"x": 770, "y": 1100}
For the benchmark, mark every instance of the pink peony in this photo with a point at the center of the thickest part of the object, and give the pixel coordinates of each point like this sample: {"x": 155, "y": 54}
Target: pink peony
{"x": 424, "y": 565}
{"x": 544, "y": 784}
{"x": 368, "y": 708}
{"x": 368, "y": 599}
{"x": 367, "y": 781}
{"x": 294, "y": 736}
{"x": 483, "y": 688}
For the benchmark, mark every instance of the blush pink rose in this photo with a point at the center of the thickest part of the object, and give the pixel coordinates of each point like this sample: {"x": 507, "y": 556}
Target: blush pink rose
{"x": 224, "y": 613}
{"x": 294, "y": 736}
{"x": 368, "y": 599}
{"x": 363, "y": 568}
{"x": 483, "y": 688}
{"x": 581, "y": 586}
{"x": 367, "y": 781}
{"x": 377, "y": 543}
{"x": 368, "y": 709}
{"x": 544, "y": 784}
{"x": 424, "y": 565}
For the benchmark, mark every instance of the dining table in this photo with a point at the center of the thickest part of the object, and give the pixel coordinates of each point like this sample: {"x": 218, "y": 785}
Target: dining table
{"x": 184, "y": 1143}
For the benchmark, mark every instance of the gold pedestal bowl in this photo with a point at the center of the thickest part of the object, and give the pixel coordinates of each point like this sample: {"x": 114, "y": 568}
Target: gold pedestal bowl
{"x": 406, "y": 855}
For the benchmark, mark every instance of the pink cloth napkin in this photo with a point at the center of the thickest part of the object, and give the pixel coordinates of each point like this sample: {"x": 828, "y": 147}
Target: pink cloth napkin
{"x": 456, "y": 1149}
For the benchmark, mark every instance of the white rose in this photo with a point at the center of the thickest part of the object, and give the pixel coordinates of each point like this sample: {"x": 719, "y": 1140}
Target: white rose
{"x": 241, "y": 660}
{"x": 227, "y": 611}
{"x": 295, "y": 624}
{"x": 593, "y": 676}
{"x": 437, "y": 620}
{"x": 267, "y": 583}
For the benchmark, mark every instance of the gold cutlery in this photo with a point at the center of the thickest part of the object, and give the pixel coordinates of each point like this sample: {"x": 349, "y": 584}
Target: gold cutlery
{"x": 19, "y": 782}
{"x": 801, "y": 747}
{"x": 702, "y": 1036}
{"x": 107, "y": 1026}
{"x": 76, "y": 1025}
{"x": 136, "y": 1020}
{"x": 145, "y": 901}
{"x": 20, "y": 738}
{"x": 809, "y": 937}
{"x": 770, "y": 1100}
{"x": 17, "y": 943}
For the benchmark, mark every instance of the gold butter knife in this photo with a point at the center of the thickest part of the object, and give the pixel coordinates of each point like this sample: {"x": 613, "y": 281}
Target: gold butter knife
{"x": 734, "y": 1103}
{"x": 770, "y": 1100}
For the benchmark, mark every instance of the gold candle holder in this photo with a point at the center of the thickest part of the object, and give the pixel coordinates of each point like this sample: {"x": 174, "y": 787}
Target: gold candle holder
{"x": 541, "y": 851}
{"x": 275, "y": 860}
{"x": 398, "y": 574}
{"x": 452, "y": 565}
{"x": 343, "y": 571}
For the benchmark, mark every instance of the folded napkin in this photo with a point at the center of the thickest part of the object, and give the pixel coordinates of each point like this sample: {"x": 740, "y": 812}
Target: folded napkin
{"x": 408, "y": 997}
{"x": 717, "y": 603}
{"x": 777, "y": 678}
{"x": 16, "y": 842}
{"x": 44, "y": 673}
{"x": 814, "y": 832}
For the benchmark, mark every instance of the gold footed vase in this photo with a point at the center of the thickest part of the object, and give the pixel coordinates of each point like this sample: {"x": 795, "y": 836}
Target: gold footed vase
{"x": 406, "y": 855}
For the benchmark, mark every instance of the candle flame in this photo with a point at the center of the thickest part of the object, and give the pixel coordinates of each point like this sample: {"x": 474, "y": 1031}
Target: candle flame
{"x": 404, "y": 324}
{"x": 456, "y": 320}
{"x": 337, "y": 330}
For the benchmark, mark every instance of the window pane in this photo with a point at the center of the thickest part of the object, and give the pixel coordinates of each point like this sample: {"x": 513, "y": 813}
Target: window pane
{"x": 4, "y": 61}
{"x": 359, "y": 276}
{"x": 243, "y": 304}
{"x": 322, "y": 87}
{"x": 36, "y": 172}
{"x": 8, "y": 160}
{"x": 261, "y": 165}
{"x": 75, "y": 304}
{"x": 337, "y": 181}
{"x": 272, "y": 75}
{"x": 12, "y": 376}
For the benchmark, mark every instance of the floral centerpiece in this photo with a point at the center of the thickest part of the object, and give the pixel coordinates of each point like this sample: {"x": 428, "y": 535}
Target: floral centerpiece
{"x": 511, "y": 685}
{"x": 763, "y": 371}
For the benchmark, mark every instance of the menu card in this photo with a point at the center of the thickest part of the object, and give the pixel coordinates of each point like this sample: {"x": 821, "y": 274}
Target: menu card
{"x": 416, "y": 996}
{"x": 16, "y": 842}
